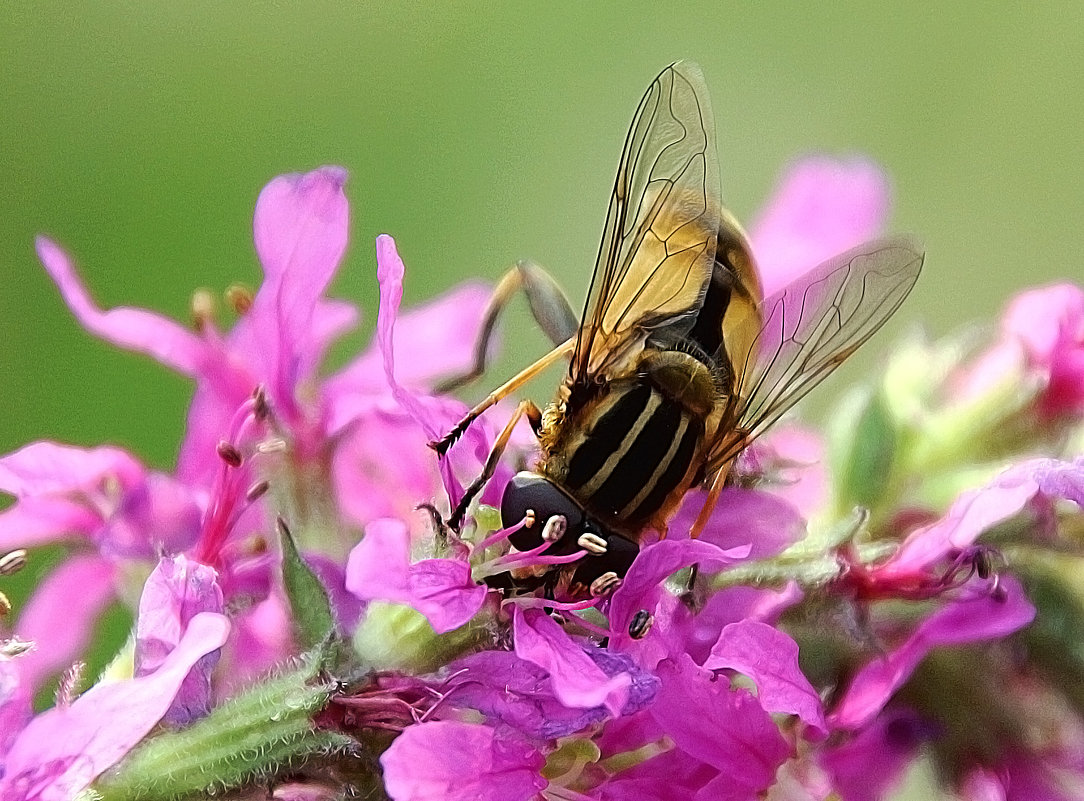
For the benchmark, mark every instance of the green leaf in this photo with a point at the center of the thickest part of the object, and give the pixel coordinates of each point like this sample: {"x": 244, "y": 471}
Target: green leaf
{"x": 314, "y": 622}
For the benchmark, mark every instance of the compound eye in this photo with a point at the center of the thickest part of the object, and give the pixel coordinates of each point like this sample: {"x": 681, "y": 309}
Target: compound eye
{"x": 556, "y": 515}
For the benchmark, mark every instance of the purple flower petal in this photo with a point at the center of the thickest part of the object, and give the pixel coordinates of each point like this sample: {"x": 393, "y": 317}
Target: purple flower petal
{"x": 379, "y": 568}
{"x": 640, "y": 588}
{"x": 133, "y": 329}
{"x": 962, "y": 621}
{"x": 43, "y": 468}
{"x": 869, "y": 766}
{"x": 822, "y": 207}
{"x": 36, "y": 521}
{"x": 670, "y": 776}
{"x": 976, "y": 511}
{"x": 452, "y": 761}
{"x": 177, "y": 590}
{"x": 770, "y": 658}
{"x": 577, "y": 681}
{"x": 63, "y": 749}
{"x": 763, "y": 522}
{"x": 722, "y": 727}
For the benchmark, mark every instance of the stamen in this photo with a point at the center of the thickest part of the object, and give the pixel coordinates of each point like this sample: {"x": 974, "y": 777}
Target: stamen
{"x": 15, "y": 647}
{"x": 229, "y": 454}
{"x": 592, "y": 543}
{"x": 239, "y": 297}
{"x": 257, "y": 491}
{"x": 202, "y": 309}
{"x": 555, "y": 528}
{"x": 605, "y": 584}
{"x": 12, "y": 562}
{"x": 504, "y": 533}
{"x": 641, "y": 624}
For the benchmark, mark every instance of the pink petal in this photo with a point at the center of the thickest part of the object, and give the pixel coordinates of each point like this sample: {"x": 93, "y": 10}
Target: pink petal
{"x": 962, "y": 621}
{"x": 177, "y": 590}
{"x": 720, "y": 726}
{"x": 36, "y": 521}
{"x": 869, "y": 766}
{"x": 379, "y": 568}
{"x": 763, "y": 522}
{"x": 770, "y": 658}
{"x": 60, "y": 616}
{"x": 437, "y": 338}
{"x": 452, "y": 761}
{"x": 976, "y": 511}
{"x": 640, "y": 588}
{"x": 133, "y": 329}
{"x": 300, "y": 229}
{"x": 46, "y": 467}
{"x": 577, "y": 681}
{"x": 822, "y": 207}
{"x": 62, "y": 750}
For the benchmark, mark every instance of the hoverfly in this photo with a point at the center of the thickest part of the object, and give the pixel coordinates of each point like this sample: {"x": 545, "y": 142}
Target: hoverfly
{"x": 677, "y": 362}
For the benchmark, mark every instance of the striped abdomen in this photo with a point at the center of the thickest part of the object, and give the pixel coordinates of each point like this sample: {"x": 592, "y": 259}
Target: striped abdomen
{"x": 629, "y": 453}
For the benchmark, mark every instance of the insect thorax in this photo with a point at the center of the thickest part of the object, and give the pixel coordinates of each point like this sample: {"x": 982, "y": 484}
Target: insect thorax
{"x": 630, "y": 451}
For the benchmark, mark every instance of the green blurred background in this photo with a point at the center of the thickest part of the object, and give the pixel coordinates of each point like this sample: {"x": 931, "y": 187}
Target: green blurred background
{"x": 140, "y": 134}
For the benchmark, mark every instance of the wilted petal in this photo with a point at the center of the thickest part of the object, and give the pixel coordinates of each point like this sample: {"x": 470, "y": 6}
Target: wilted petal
{"x": 961, "y": 621}
{"x": 451, "y": 761}
{"x": 177, "y": 590}
{"x": 64, "y": 749}
{"x": 577, "y": 681}
{"x": 379, "y": 568}
{"x": 822, "y": 207}
{"x": 133, "y": 329}
{"x": 770, "y": 658}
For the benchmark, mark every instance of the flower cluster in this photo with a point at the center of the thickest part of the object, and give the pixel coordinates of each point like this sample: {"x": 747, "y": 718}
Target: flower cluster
{"x": 901, "y": 590}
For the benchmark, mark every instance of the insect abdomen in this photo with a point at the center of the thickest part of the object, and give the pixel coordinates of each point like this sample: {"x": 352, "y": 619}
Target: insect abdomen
{"x": 634, "y": 447}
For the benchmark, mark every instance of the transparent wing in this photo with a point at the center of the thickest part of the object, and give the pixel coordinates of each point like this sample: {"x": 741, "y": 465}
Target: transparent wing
{"x": 658, "y": 243}
{"x": 810, "y": 328}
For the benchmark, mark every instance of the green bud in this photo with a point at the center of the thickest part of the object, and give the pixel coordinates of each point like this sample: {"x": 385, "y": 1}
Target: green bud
{"x": 864, "y": 452}
{"x": 398, "y": 637}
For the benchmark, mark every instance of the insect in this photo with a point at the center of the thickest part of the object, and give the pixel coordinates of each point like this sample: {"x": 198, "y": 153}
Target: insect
{"x": 677, "y": 363}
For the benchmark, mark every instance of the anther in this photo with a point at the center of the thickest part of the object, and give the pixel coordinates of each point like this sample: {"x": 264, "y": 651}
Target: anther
{"x": 261, "y": 406}
{"x": 592, "y": 543}
{"x": 555, "y": 528}
{"x": 641, "y": 624}
{"x": 257, "y": 490}
{"x": 15, "y": 647}
{"x": 273, "y": 445}
{"x": 202, "y": 309}
{"x": 239, "y": 297}
{"x": 229, "y": 453}
{"x": 12, "y": 562}
{"x": 605, "y": 584}
{"x": 528, "y": 518}
{"x": 5, "y": 606}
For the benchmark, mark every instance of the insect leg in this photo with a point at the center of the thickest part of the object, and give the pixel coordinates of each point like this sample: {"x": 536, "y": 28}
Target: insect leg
{"x": 511, "y": 385}
{"x": 534, "y": 415}
{"x": 549, "y": 307}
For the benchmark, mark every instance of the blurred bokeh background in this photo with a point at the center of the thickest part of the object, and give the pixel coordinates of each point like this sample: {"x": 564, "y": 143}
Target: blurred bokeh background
{"x": 139, "y": 136}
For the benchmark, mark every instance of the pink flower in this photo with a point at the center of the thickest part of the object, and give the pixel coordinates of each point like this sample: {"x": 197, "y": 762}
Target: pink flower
{"x": 62, "y": 750}
{"x": 453, "y": 761}
{"x": 1049, "y": 325}
{"x": 379, "y": 568}
{"x": 822, "y": 207}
